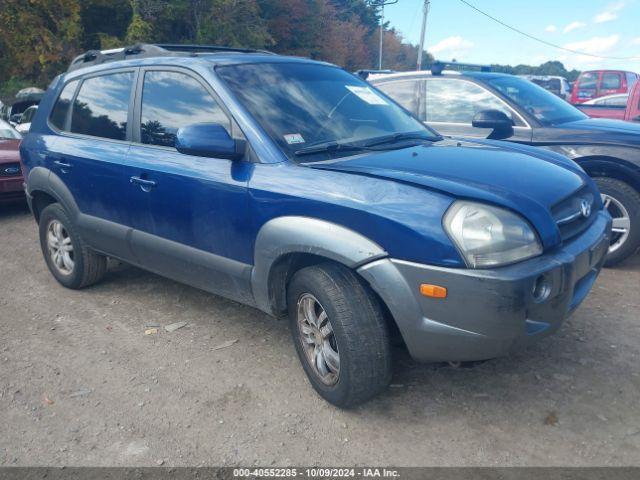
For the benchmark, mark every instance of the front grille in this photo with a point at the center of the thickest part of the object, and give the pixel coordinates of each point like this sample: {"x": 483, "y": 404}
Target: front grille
{"x": 10, "y": 169}
{"x": 569, "y": 214}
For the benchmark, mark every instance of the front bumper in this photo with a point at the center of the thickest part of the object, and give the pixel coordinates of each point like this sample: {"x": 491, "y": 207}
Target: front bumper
{"x": 488, "y": 313}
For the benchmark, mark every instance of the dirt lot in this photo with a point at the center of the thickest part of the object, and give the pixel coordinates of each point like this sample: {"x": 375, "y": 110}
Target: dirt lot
{"x": 81, "y": 383}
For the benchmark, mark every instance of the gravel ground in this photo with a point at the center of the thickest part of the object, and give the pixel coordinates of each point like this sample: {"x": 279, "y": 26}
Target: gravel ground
{"x": 82, "y": 384}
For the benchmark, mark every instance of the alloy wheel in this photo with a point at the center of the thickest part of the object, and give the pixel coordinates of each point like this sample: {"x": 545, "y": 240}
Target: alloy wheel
{"x": 621, "y": 222}
{"x": 318, "y": 340}
{"x": 60, "y": 247}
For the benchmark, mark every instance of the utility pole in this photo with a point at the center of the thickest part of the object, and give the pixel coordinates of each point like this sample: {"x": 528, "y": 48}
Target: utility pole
{"x": 425, "y": 12}
{"x": 381, "y": 36}
{"x": 381, "y": 4}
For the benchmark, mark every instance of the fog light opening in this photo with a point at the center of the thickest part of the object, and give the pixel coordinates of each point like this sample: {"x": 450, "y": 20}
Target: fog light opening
{"x": 541, "y": 289}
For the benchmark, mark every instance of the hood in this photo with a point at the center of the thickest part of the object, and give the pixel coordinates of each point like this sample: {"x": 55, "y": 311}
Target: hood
{"x": 604, "y": 130}
{"x": 9, "y": 150}
{"x": 492, "y": 172}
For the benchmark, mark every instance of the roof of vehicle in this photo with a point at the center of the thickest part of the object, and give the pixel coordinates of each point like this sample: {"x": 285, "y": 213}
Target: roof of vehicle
{"x": 542, "y": 77}
{"x": 169, "y": 54}
{"x": 203, "y": 59}
{"x": 149, "y": 50}
{"x": 445, "y": 73}
{"x": 605, "y": 70}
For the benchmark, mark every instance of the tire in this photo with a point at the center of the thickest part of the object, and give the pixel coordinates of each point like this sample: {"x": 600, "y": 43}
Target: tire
{"x": 359, "y": 334}
{"x": 623, "y": 201}
{"x": 82, "y": 267}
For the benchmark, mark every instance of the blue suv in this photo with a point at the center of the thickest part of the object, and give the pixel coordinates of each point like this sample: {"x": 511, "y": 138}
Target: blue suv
{"x": 293, "y": 186}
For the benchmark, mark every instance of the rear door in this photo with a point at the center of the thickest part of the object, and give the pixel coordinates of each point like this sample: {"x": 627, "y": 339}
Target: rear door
{"x": 90, "y": 154}
{"x": 197, "y": 206}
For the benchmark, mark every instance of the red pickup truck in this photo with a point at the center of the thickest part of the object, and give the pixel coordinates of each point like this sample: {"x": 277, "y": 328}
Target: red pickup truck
{"x": 629, "y": 112}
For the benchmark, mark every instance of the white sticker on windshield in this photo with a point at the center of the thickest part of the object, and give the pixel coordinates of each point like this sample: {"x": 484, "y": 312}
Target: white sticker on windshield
{"x": 368, "y": 95}
{"x": 294, "y": 138}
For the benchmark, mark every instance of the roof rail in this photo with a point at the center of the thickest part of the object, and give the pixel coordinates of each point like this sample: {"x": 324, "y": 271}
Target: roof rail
{"x": 364, "y": 74}
{"x": 148, "y": 50}
{"x": 438, "y": 66}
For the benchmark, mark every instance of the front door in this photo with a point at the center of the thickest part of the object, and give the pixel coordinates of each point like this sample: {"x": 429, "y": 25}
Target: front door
{"x": 451, "y": 104}
{"x": 448, "y": 105}
{"x": 197, "y": 205}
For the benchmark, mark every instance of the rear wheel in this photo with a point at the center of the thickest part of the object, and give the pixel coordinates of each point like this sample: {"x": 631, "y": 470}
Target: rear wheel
{"x": 340, "y": 334}
{"x": 623, "y": 204}
{"x": 69, "y": 259}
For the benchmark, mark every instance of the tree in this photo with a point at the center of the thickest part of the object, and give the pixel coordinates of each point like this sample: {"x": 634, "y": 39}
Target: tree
{"x": 235, "y": 23}
{"x": 104, "y": 22}
{"x": 38, "y": 37}
{"x": 547, "y": 68}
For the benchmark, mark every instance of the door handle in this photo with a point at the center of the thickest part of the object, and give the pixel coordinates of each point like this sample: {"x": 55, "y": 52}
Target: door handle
{"x": 62, "y": 165}
{"x": 145, "y": 185}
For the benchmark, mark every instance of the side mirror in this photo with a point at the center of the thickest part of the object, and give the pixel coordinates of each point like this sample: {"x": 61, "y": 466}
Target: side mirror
{"x": 208, "y": 140}
{"x": 494, "y": 119}
{"x": 501, "y": 124}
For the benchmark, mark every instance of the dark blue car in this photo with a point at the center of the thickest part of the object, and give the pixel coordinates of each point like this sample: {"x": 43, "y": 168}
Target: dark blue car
{"x": 500, "y": 106}
{"x": 295, "y": 187}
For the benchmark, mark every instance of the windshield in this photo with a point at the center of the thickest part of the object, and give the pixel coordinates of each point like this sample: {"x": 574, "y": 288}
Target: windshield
{"x": 7, "y": 131}
{"x": 547, "y": 108}
{"x": 303, "y": 105}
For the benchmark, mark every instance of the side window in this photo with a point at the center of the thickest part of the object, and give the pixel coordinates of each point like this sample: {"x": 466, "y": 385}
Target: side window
{"x": 27, "y": 115}
{"x": 171, "y": 100}
{"x": 457, "y": 101}
{"x": 101, "y": 107}
{"x": 407, "y": 93}
{"x": 59, "y": 113}
{"x": 631, "y": 79}
{"x": 588, "y": 81}
{"x": 610, "y": 81}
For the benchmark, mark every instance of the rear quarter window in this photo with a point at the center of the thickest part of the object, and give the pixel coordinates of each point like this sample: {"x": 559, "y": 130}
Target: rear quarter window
{"x": 60, "y": 110}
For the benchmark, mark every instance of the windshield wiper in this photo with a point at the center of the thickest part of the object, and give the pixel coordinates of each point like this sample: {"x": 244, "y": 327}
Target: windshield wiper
{"x": 397, "y": 137}
{"x": 329, "y": 147}
{"x": 342, "y": 147}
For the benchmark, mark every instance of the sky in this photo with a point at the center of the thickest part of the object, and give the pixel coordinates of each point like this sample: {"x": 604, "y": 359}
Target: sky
{"x": 601, "y": 27}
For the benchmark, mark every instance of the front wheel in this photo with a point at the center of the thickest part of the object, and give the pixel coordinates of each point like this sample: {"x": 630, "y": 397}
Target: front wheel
{"x": 623, "y": 204}
{"x": 340, "y": 334}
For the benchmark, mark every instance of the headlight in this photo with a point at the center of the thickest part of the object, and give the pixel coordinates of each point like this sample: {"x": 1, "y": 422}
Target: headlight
{"x": 489, "y": 236}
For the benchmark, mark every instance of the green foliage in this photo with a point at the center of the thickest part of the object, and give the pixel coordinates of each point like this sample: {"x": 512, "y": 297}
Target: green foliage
{"x": 139, "y": 30}
{"x": 11, "y": 86}
{"x": 235, "y": 23}
{"x": 104, "y": 23}
{"x": 38, "y": 37}
{"x": 547, "y": 68}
